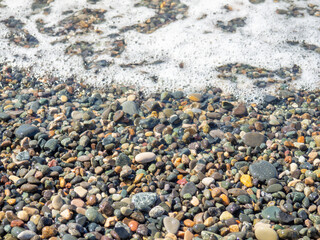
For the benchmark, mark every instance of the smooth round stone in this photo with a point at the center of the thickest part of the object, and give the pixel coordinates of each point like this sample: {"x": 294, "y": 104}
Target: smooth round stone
{"x": 26, "y": 235}
{"x": 243, "y": 199}
{"x": 263, "y": 170}
{"x": 4, "y": 116}
{"x": 144, "y": 201}
{"x": 69, "y": 237}
{"x": 274, "y": 188}
{"x": 265, "y": 233}
{"x": 26, "y": 130}
{"x": 272, "y": 213}
{"x": 29, "y": 188}
{"x": 51, "y": 145}
{"x": 93, "y": 215}
{"x": 23, "y": 215}
{"x": 156, "y": 212}
{"x": 76, "y": 115}
{"x": 15, "y": 231}
{"x": 171, "y": 224}
{"x": 57, "y": 202}
{"x": 145, "y": 157}
{"x": 254, "y": 139}
{"x": 207, "y": 181}
{"x": 225, "y": 216}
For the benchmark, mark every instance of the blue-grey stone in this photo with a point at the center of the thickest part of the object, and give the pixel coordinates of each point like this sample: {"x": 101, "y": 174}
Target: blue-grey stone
{"x": 123, "y": 160}
{"x": 69, "y": 237}
{"x": 23, "y": 156}
{"x": 263, "y": 170}
{"x": 144, "y": 201}
{"x": 149, "y": 123}
{"x": 122, "y": 230}
{"x": 190, "y": 187}
{"x": 4, "y": 116}
{"x": 26, "y": 130}
{"x": 26, "y": 235}
{"x": 94, "y": 216}
{"x": 272, "y": 213}
{"x": 130, "y": 107}
{"x": 51, "y": 145}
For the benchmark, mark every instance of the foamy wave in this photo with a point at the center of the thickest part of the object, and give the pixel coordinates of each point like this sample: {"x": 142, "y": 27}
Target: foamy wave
{"x": 182, "y": 54}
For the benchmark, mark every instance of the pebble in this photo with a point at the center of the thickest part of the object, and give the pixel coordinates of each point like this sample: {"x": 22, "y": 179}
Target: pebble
{"x": 265, "y": 233}
{"x": 263, "y": 170}
{"x": 144, "y": 201}
{"x": 145, "y": 157}
{"x": 81, "y": 191}
{"x": 26, "y": 130}
{"x": 26, "y": 235}
{"x": 57, "y": 202}
{"x": 254, "y": 139}
{"x": 171, "y": 224}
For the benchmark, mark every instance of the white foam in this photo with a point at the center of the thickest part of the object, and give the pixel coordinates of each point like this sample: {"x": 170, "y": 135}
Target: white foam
{"x": 199, "y": 44}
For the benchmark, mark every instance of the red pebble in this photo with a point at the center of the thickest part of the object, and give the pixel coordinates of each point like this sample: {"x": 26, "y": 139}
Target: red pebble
{"x": 16, "y": 223}
{"x": 52, "y": 163}
{"x": 133, "y": 225}
{"x": 182, "y": 181}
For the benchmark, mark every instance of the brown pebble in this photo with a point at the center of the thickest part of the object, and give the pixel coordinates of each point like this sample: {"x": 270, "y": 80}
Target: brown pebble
{"x": 49, "y": 231}
{"x": 92, "y": 200}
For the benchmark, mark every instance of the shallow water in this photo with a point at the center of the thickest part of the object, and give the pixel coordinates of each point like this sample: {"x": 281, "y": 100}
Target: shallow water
{"x": 171, "y": 45}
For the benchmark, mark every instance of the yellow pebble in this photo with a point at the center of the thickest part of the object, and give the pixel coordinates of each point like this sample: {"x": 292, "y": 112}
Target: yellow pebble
{"x": 246, "y": 180}
{"x": 11, "y": 201}
{"x": 64, "y": 98}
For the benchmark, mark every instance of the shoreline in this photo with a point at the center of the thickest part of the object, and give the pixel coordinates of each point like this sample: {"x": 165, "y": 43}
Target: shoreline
{"x": 84, "y": 163}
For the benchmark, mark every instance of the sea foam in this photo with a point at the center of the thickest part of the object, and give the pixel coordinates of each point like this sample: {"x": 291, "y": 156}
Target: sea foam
{"x": 194, "y": 42}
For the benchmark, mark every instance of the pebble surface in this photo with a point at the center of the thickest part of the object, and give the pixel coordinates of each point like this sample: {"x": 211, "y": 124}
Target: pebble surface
{"x": 84, "y": 163}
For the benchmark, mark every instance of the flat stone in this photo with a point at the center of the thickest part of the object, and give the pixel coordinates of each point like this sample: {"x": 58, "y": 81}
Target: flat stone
{"x": 240, "y": 110}
{"x": 29, "y": 188}
{"x": 26, "y": 130}
{"x": 190, "y": 188}
{"x": 263, "y": 170}
{"x": 274, "y": 188}
{"x": 254, "y": 139}
{"x": 272, "y": 213}
{"x": 4, "y": 116}
{"x": 80, "y": 191}
{"x": 171, "y": 224}
{"x": 130, "y": 107}
{"x": 144, "y": 201}
{"x": 145, "y": 157}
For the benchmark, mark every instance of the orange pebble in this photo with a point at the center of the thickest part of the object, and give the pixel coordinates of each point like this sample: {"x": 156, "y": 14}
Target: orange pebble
{"x": 180, "y": 176}
{"x": 300, "y": 139}
{"x": 225, "y": 199}
{"x": 133, "y": 225}
{"x": 234, "y": 228}
{"x": 189, "y": 223}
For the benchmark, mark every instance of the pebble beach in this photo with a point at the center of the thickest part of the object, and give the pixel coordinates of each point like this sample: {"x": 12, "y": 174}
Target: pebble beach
{"x": 117, "y": 122}
{"x": 84, "y": 163}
